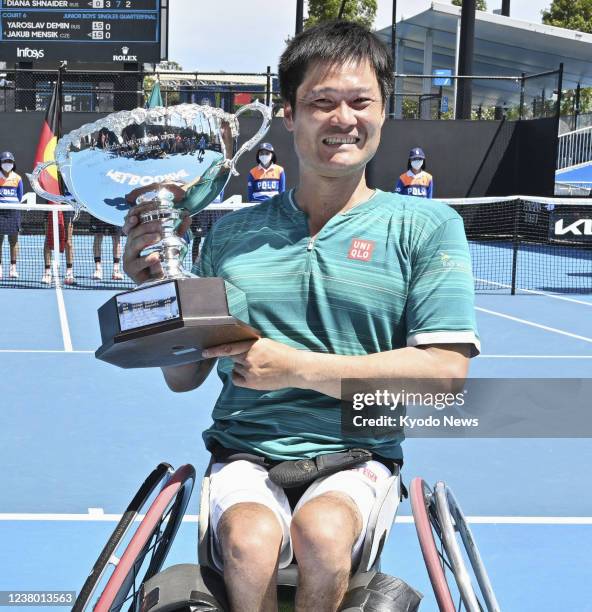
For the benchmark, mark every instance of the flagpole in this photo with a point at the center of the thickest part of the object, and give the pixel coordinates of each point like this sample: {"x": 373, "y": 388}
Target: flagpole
{"x": 61, "y": 71}
{"x": 55, "y": 214}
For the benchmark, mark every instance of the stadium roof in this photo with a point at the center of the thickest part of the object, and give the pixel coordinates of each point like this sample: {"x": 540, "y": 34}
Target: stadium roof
{"x": 503, "y": 46}
{"x": 175, "y": 78}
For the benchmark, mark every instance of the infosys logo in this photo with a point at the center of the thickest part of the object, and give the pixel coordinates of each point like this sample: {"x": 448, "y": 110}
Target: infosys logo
{"x": 124, "y": 57}
{"x": 30, "y": 53}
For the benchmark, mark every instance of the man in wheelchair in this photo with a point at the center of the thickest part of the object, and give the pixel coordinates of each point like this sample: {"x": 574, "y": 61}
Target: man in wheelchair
{"x": 344, "y": 281}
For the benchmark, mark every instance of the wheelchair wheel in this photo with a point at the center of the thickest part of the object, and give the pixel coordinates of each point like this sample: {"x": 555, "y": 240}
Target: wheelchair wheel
{"x": 438, "y": 513}
{"x": 453, "y": 521}
{"x": 157, "y": 478}
{"x": 148, "y": 547}
{"x": 423, "y": 517}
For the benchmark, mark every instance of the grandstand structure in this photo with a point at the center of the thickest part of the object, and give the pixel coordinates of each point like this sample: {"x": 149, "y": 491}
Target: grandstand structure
{"x": 428, "y": 41}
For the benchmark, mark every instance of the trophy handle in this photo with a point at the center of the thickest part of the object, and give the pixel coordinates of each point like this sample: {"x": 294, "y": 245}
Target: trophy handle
{"x": 248, "y": 146}
{"x": 38, "y": 189}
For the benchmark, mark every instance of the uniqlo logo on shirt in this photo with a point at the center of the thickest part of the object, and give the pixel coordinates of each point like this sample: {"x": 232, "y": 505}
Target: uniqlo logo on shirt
{"x": 361, "y": 249}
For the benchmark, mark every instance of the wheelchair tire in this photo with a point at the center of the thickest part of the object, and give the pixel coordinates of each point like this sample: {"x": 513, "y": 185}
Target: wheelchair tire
{"x": 438, "y": 513}
{"x": 184, "y": 587}
{"x": 382, "y": 593}
{"x": 172, "y": 502}
{"x": 158, "y": 477}
{"x": 452, "y": 520}
{"x": 421, "y": 496}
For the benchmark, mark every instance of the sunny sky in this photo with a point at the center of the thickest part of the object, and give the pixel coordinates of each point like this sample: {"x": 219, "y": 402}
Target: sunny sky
{"x": 248, "y": 35}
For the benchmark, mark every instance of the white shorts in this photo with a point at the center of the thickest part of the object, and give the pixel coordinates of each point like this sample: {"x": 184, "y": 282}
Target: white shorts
{"x": 243, "y": 481}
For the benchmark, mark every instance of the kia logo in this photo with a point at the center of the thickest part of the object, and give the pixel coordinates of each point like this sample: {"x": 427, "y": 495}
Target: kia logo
{"x": 581, "y": 227}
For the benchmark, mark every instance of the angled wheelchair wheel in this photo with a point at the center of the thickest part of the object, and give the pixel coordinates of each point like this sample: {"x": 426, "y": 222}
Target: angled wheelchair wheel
{"x": 423, "y": 516}
{"x": 438, "y": 514}
{"x": 453, "y": 521}
{"x": 148, "y": 547}
{"x": 157, "y": 478}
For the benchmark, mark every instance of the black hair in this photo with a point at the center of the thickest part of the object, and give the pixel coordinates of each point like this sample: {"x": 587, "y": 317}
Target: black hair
{"x": 334, "y": 42}
{"x": 409, "y": 164}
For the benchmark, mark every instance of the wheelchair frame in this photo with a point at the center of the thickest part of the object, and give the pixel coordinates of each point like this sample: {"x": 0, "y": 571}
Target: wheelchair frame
{"x": 435, "y": 512}
{"x": 438, "y": 512}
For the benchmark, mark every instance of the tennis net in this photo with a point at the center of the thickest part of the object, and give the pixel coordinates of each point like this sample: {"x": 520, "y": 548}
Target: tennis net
{"x": 529, "y": 244}
{"x": 54, "y": 247}
{"x": 517, "y": 244}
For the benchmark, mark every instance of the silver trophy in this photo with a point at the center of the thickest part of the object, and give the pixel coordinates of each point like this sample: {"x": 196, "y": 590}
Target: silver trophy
{"x": 180, "y": 159}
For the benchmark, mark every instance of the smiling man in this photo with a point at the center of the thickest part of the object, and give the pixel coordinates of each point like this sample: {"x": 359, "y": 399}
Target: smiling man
{"x": 344, "y": 281}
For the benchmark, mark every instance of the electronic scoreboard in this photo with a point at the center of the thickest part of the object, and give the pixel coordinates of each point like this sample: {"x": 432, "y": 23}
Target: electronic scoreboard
{"x": 118, "y": 31}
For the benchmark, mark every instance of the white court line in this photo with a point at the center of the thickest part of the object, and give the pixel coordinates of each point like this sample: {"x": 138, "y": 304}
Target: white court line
{"x": 533, "y": 324}
{"x": 67, "y": 339}
{"x": 96, "y": 514}
{"x": 536, "y": 292}
{"x": 44, "y": 351}
{"x": 535, "y": 357}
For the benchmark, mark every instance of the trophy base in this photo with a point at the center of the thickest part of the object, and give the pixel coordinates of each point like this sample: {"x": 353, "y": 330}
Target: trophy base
{"x": 168, "y": 323}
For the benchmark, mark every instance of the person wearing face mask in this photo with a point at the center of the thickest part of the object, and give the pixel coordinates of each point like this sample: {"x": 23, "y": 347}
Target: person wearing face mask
{"x": 416, "y": 181}
{"x": 11, "y": 192}
{"x": 267, "y": 179}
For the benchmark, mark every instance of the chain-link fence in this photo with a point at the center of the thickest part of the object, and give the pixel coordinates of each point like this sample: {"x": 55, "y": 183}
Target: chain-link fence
{"x": 414, "y": 97}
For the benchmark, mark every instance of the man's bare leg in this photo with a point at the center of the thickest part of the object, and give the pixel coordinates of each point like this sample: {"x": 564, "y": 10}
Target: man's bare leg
{"x": 324, "y": 531}
{"x": 14, "y": 249}
{"x": 250, "y": 537}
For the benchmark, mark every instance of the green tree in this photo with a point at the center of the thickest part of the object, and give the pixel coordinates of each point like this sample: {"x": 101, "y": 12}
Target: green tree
{"x": 481, "y": 5}
{"x": 169, "y": 65}
{"x": 570, "y": 14}
{"x": 568, "y": 101}
{"x": 360, "y": 11}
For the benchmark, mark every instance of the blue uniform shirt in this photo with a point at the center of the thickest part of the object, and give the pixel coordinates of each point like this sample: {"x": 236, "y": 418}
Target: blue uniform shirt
{"x": 264, "y": 183}
{"x": 419, "y": 185}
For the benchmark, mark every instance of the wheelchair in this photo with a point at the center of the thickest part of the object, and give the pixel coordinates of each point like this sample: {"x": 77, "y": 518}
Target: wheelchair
{"x": 127, "y": 574}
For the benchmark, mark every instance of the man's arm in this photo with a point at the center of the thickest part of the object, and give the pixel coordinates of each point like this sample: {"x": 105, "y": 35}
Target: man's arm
{"x": 324, "y": 373}
{"x": 266, "y": 365}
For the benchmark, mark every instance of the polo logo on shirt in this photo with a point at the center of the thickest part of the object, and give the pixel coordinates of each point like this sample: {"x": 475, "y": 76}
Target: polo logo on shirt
{"x": 361, "y": 249}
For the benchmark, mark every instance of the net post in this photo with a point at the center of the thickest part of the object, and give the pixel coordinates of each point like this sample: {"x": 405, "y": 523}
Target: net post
{"x": 56, "y": 246}
{"x": 522, "y": 81}
{"x": 577, "y": 105}
{"x": 268, "y": 86}
{"x": 515, "y": 244}
{"x": 559, "y": 94}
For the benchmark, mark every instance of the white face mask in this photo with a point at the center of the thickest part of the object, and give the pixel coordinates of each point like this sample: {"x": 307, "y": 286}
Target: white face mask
{"x": 265, "y": 159}
{"x": 7, "y": 167}
{"x": 416, "y": 164}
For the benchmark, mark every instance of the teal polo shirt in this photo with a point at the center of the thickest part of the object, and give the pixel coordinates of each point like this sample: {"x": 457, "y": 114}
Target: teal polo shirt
{"x": 391, "y": 272}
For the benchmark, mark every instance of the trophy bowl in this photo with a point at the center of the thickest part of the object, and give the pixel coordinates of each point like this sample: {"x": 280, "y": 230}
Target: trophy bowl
{"x": 178, "y": 158}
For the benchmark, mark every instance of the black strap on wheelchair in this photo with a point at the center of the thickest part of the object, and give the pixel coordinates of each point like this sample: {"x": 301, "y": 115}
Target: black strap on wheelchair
{"x": 289, "y": 474}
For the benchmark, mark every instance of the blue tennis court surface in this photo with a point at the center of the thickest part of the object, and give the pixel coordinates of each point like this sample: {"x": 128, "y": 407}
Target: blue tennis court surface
{"x": 77, "y": 434}
{"x": 582, "y": 173}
